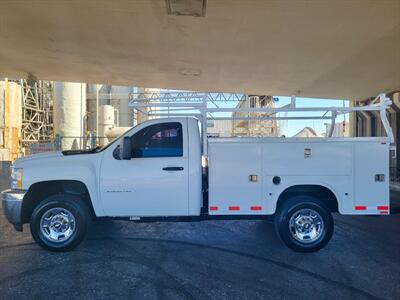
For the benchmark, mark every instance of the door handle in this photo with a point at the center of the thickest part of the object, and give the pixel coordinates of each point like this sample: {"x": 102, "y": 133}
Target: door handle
{"x": 173, "y": 169}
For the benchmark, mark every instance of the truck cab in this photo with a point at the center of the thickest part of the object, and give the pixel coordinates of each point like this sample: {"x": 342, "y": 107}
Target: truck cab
{"x": 160, "y": 176}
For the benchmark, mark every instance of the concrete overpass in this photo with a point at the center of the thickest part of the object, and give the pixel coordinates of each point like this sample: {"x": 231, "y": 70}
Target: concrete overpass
{"x": 333, "y": 49}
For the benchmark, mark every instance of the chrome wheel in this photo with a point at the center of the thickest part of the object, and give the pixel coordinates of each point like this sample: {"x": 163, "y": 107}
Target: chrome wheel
{"x": 57, "y": 224}
{"x": 306, "y": 225}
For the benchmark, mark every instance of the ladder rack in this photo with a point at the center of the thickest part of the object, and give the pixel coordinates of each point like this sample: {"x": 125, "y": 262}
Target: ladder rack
{"x": 207, "y": 106}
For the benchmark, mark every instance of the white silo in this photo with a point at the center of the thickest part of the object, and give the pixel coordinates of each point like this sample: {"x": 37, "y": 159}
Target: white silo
{"x": 70, "y": 113}
{"x": 107, "y": 127}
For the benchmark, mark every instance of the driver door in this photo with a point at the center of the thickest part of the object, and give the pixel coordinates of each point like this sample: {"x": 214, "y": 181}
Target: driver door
{"x": 154, "y": 182}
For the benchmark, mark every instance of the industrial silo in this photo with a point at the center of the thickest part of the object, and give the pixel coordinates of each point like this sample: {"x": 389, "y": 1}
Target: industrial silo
{"x": 70, "y": 114}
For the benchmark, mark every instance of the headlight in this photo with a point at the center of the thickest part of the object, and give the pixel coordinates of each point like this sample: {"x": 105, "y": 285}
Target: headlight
{"x": 16, "y": 178}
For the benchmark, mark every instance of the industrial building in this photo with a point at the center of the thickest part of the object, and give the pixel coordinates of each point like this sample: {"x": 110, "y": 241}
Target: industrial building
{"x": 10, "y": 120}
{"x": 255, "y": 127}
{"x": 47, "y": 116}
{"x": 247, "y": 124}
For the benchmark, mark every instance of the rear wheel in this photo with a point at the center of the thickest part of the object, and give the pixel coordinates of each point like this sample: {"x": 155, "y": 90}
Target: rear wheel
{"x": 59, "y": 222}
{"x": 304, "y": 224}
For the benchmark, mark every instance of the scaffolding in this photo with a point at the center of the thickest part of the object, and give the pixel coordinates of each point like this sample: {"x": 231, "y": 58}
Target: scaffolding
{"x": 37, "y": 112}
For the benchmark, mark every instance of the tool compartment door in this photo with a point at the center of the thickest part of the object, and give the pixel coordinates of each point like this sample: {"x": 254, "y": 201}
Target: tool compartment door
{"x": 371, "y": 180}
{"x": 231, "y": 190}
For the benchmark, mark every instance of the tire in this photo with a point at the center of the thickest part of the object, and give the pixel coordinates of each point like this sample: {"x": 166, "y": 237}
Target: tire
{"x": 59, "y": 223}
{"x": 313, "y": 229}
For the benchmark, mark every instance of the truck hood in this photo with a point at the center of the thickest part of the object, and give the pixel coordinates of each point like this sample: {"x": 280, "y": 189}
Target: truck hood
{"x": 57, "y": 166}
{"x": 21, "y": 161}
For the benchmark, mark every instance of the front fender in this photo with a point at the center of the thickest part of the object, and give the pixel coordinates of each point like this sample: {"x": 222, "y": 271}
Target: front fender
{"x": 83, "y": 168}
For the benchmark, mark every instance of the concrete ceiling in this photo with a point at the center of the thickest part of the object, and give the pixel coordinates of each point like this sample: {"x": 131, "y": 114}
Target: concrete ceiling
{"x": 315, "y": 48}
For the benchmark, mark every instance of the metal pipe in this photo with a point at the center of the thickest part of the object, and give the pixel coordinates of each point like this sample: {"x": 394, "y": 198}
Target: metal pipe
{"x": 331, "y": 130}
{"x": 385, "y": 102}
{"x": 97, "y": 110}
{"x": 243, "y": 118}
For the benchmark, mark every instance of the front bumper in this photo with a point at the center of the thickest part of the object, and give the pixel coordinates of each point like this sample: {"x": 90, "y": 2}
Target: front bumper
{"x": 12, "y": 205}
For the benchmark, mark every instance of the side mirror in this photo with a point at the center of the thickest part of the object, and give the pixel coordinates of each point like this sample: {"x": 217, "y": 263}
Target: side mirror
{"x": 126, "y": 148}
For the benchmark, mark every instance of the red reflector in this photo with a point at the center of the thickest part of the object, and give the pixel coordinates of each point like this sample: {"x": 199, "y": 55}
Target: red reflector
{"x": 234, "y": 207}
{"x": 383, "y": 207}
{"x": 384, "y": 212}
{"x": 214, "y": 208}
{"x": 255, "y": 207}
{"x": 360, "y": 208}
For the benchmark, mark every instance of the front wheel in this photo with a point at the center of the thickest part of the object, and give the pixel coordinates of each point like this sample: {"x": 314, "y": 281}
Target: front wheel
{"x": 59, "y": 222}
{"x": 304, "y": 224}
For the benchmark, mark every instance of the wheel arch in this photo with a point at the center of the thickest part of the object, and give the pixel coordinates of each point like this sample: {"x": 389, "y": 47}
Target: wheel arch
{"x": 318, "y": 191}
{"x": 39, "y": 191}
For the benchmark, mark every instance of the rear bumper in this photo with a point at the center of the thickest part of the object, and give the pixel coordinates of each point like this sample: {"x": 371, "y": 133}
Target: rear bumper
{"x": 12, "y": 205}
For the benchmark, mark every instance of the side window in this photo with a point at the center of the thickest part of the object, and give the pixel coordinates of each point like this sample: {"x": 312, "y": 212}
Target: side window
{"x": 159, "y": 140}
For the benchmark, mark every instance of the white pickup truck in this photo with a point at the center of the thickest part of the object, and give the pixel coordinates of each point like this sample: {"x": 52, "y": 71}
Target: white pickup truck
{"x": 155, "y": 172}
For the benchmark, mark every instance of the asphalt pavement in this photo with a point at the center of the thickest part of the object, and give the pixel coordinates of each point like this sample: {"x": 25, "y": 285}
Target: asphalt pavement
{"x": 205, "y": 260}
